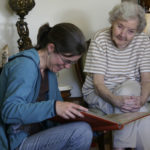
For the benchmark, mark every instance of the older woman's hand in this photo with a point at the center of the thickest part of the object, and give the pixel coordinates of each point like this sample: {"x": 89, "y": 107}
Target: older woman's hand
{"x": 69, "y": 110}
{"x": 132, "y": 104}
{"x": 128, "y": 103}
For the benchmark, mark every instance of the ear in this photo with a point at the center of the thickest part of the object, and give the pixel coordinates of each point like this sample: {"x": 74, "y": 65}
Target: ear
{"x": 50, "y": 48}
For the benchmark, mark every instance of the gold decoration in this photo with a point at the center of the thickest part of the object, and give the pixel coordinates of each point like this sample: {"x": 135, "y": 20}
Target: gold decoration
{"x": 22, "y": 7}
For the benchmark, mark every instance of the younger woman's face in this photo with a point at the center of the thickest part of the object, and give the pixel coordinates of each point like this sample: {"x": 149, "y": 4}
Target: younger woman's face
{"x": 57, "y": 62}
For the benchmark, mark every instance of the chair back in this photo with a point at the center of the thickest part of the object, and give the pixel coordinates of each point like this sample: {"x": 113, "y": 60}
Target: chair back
{"x": 79, "y": 66}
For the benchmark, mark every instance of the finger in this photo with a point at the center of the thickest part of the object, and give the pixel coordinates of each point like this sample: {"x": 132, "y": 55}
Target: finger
{"x": 132, "y": 102}
{"x": 126, "y": 107}
{"x": 80, "y": 108}
{"x": 133, "y": 105}
{"x": 124, "y": 110}
{"x": 65, "y": 116}
{"x": 129, "y": 103}
{"x": 69, "y": 114}
{"x": 134, "y": 110}
{"x": 77, "y": 113}
{"x": 130, "y": 109}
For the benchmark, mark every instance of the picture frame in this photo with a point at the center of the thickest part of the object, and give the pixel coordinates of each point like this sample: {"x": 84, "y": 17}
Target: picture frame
{"x": 135, "y": 1}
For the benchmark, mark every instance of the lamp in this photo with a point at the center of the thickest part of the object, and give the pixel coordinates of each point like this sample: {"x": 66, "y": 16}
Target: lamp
{"x": 22, "y": 7}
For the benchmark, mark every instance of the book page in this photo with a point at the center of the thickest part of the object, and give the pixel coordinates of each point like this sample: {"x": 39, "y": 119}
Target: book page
{"x": 100, "y": 121}
{"x": 122, "y": 118}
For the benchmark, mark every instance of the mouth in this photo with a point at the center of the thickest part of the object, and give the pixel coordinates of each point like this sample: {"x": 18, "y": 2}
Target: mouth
{"x": 121, "y": 38}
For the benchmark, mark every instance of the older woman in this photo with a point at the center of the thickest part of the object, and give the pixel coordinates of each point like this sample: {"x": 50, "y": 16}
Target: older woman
{"x": 29, "y": 94}
{"x": 118, "y": 73}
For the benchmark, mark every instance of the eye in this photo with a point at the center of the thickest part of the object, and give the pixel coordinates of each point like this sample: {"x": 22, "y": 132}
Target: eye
{"x": 131, "y": 31}
{"x": 120, "y": 26}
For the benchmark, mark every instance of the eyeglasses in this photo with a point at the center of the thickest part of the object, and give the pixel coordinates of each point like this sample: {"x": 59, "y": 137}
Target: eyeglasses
{"x": 67, "y": 61}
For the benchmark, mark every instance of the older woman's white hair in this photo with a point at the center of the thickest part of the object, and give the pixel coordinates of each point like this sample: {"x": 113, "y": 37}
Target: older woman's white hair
{"x": 126, "y": 11}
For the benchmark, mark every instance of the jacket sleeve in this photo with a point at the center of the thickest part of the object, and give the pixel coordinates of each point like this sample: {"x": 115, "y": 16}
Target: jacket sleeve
{"x": 18, "y": 106}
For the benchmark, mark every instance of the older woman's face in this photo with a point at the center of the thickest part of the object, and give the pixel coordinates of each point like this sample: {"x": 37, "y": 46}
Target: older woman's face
{"x": 123, "y": 32}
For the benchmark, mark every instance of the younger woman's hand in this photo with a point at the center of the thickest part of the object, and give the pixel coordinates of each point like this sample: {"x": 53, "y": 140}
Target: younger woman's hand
{"x": 69, "y": 110}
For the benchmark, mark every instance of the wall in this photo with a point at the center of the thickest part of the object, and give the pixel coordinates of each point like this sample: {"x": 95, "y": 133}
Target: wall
{"x": 8, "y": 31}
{"x": 88, "y": 15}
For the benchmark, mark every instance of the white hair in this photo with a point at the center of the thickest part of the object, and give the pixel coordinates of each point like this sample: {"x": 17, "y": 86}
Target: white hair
{"x": 128, "y": 10}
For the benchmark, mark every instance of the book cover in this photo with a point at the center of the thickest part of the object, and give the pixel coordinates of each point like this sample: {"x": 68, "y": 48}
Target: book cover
{"x": 100, "y": 122}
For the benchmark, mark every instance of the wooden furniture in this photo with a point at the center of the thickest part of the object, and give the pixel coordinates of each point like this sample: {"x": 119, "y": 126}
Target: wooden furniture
{"x": 0, "y": 70}
{"x": 103, "y": 139}
{"x": 65, "y": 91}
{"x": 145, "y": 4}
{"x": 65, "y": 94}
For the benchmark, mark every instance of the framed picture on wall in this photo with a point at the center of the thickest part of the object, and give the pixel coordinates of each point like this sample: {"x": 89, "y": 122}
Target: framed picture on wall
{"x": 145, "y": 4}
{"x": 135, "y": 1}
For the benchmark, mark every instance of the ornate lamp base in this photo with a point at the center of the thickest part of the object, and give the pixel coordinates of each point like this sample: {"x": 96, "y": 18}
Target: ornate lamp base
{"x": 22, "y": 7}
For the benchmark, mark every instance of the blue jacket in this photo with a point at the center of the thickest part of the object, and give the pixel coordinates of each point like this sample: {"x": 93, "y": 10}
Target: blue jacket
{"x": 19, "y": 88}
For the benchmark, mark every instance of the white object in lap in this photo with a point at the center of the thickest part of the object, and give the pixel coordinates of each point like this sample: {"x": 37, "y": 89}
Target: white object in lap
{"x": 132, "y": 135}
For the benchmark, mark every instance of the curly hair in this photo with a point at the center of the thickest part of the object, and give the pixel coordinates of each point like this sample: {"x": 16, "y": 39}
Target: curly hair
{"x": 128, "y": 10}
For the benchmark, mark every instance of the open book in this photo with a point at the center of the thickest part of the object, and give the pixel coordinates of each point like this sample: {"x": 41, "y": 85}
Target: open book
{"x": 100, "y": 122}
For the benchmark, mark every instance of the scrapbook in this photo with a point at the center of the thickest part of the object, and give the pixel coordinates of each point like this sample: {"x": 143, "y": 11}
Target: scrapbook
{"x": 101, "y": 122}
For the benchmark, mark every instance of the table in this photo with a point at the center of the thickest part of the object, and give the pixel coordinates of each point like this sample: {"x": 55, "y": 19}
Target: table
{"x": 65, "y": 91}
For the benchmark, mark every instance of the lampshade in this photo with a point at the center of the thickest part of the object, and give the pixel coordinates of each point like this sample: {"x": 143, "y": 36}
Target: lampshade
{"x": 147, "y": 28}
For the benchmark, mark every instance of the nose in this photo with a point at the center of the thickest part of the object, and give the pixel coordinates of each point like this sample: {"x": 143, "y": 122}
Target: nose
{"x": 123, "y": 33}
